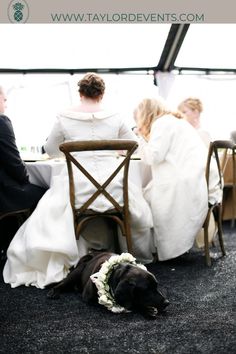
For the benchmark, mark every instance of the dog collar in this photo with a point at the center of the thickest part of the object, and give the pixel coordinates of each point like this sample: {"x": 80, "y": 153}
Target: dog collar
{"x": 100, "y": 279}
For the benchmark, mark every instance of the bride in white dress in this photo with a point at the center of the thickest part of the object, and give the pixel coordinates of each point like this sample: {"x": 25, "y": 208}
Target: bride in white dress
{"x": 44, "y": 248}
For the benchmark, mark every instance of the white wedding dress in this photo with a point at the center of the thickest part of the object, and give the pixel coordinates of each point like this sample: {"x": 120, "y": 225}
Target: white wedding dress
{"x": 178, "y": 193}
{"x": 44, "y": 248}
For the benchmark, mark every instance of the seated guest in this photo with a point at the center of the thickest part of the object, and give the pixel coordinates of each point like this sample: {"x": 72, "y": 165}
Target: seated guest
{"x": 178, "y": 193}
{"x": 191, "y": 108}
{"x": 15, "y": 190}
{"x": 233, "y": 136}
{"x": 45, "y": 248}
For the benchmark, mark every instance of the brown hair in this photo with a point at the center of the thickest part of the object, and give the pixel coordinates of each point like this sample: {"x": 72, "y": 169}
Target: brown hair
{"x": 92, "y": 86}
{"x": 193, "y": 103}
{"x": 148, "y": 111}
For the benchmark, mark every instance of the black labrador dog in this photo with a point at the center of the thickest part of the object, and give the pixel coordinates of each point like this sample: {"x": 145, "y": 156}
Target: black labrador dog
{"x": 115, "y": 282}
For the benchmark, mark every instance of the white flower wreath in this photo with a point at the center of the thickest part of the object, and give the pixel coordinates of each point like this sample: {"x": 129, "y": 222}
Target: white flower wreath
{"x": 101, "y": 280}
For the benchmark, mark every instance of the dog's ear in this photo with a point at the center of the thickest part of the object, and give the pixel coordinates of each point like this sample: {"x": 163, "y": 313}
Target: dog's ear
{"x": 124, "y": 292}
{"x": 120, "y": 272}
{"x": 89, "y": 293}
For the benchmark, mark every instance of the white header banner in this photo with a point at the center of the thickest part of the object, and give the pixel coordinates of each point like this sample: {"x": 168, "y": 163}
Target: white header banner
{"x": 122, "y": 11}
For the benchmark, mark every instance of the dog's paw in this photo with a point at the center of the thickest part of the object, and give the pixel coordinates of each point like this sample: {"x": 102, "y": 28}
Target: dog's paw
{"x": 53, "y": 294}
{"x": 151, "y": 312}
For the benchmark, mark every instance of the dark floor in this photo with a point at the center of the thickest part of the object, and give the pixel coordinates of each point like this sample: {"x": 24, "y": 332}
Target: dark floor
{"x": 200, "y": 319}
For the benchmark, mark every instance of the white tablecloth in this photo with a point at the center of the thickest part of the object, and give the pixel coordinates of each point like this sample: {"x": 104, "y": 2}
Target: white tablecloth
{"x": 41, "y": 172}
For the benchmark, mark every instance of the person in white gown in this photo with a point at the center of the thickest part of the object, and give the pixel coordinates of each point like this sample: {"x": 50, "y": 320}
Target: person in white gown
{"x": 178, "y": 193}
{"x": 45, "y": 248}
{"x": 192, "y": 108}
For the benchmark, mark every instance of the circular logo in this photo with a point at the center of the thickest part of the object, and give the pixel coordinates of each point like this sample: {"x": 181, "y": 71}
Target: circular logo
{"x": 18, "y": 11}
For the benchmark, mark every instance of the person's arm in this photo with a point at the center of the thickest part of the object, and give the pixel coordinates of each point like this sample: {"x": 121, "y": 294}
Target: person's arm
{"x": 55, "y": 138}
{"x": 10, "y": 158}
{"x": 154, "y": 151}
{"x": 126, "y": 132}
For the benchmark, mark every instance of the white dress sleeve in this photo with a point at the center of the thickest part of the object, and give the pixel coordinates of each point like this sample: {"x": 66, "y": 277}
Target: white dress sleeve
{"x": 126, "y": 133}
{"x": 155, "y": 150}
{"x": 55, "y": 138}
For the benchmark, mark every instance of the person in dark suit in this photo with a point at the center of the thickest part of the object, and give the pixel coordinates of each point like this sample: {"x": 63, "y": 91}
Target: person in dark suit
{"x": 16, "y": 192}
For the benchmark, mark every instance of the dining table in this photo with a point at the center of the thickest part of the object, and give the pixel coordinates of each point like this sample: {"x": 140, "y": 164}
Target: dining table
{"x": 41, "y": 171}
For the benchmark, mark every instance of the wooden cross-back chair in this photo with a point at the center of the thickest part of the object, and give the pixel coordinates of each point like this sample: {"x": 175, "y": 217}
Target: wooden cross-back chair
{"x": 21, "y": 215}
{"x": 228, "y": 166}
{"x": 213, "y": 153}
{"x": 119, "y": 213}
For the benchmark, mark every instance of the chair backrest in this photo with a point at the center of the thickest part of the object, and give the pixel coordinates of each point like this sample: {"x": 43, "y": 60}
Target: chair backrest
{"x": 228, "y": 169}
{"x": 21, "y": 215}
{"x": 224, "y": 152}
{"x": 228, "y": 162}
{"x": 217, "y": 150}
{"x": 213, "y": 155}
{"x": 68, "y": 148}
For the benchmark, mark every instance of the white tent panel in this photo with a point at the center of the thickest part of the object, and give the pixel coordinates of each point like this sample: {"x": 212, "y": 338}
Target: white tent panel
{"x": 82, "y": 46}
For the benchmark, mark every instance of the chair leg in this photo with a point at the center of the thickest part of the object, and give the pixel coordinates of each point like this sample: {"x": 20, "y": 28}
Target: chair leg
{"x": 220, "y": 229}
{"x": 206, "y": 239}
{"x": 221, "y": 240}
{"x": 129, "y": 242}
{"x": 206, "y": 245}
{"x": 128, "y": 237}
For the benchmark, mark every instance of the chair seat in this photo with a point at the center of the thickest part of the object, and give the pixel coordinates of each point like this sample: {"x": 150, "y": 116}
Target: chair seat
{"x": 91, "y": 212}
{"x": 82, "y": 219}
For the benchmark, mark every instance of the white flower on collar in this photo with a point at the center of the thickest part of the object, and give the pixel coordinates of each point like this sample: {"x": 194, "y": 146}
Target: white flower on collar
{"x": 100, "y": 279}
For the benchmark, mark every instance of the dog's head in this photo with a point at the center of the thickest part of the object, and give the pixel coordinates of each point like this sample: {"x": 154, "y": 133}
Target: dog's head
{"x": 137, "y": 290}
